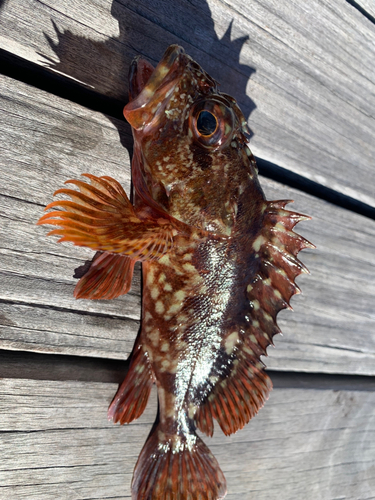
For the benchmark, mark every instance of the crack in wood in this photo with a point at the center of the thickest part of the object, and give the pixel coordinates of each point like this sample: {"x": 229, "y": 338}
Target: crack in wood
{"x": 64, "y": 309}
{"x": 44, "y": 79}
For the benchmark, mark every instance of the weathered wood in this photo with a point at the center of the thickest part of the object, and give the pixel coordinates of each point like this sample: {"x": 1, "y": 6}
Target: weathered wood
{"x": 56, "y": 442}
{"x": 368, "y": 6}
{"x": 310, "y": 104}
{"x": 51, "y": 330}
{"x": 36, "y": 366}
{"x": 332, "y": 329}
{"x": 310, "y": 96}
{"x": 27, "y": 256}
{"x": 55, "y": 137}
{"x": 333, "y": 324}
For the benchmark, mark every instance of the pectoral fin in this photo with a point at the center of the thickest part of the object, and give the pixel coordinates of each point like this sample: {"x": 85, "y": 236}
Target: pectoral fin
{"x": 100, "y": 216}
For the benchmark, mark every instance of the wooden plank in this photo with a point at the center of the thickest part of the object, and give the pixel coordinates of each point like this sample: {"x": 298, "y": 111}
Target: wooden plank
{"x": 368, "y": 6}
{"x": 332, "y": 329}
{"x": 56, "y": 442}
{"x": 40, "y": 328}
{"x": 36, "y": 366}
{"x": 333, "y": 324}
{"x": 309, "y": 99}
{"x": 60, "y": 138}
{"x": 45, "y": 141}
{"x": 28, "y": 257}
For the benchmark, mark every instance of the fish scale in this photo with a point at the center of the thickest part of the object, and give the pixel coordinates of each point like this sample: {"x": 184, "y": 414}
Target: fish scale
{"x": 218, "y": 260}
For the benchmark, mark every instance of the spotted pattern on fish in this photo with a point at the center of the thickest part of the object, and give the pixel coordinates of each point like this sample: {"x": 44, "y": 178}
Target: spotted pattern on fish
{"x": 218, "y": 260}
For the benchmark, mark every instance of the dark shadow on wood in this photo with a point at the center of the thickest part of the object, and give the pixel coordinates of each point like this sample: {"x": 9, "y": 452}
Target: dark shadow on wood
{"x": 289, "y": 178}
{"x": 36, "y": 366}
{"x": 33, "y": 74}
{"x": 361, "y": 10}
{"x": 110, "y": 59}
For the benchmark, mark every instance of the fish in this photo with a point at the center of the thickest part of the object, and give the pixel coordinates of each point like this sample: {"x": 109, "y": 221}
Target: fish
{"x": 219, "y": 262}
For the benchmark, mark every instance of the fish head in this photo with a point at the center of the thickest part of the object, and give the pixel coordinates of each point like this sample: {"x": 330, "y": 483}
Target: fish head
{"x": 191, "y": 157}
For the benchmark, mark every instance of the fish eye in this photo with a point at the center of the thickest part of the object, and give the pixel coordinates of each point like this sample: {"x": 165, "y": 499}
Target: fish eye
{"x": 212, "y": 123}
{"x": 206, "y": 123}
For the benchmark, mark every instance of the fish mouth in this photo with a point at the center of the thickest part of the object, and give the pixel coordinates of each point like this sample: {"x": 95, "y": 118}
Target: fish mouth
{"x": 149, "y": 88}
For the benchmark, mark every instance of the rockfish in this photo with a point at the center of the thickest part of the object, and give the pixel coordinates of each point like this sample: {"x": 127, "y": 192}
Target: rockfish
{"x": 218, "y": 262}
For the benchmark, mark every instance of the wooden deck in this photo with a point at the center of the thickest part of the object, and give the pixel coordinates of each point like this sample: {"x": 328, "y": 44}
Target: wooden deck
{"x": 304, "y": 75}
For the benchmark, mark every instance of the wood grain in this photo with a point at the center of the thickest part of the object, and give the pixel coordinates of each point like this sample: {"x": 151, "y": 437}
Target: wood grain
{"x": 42, "y": 366}
{"x": 332, "y": 329}
{"x": 56, "y": 443}
{"x": 333, "y": 324}
{"x": 303, "y": 73}
{"x": 296, "y": 74}
{"x": 368, "y": 6}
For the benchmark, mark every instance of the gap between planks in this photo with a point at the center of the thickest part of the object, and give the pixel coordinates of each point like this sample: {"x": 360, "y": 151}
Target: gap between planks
{"x": 55, "y": 367}
{"x": 310, "y": 93}
{"x": 39, "y": 77}
{"x": 305, "y": 443}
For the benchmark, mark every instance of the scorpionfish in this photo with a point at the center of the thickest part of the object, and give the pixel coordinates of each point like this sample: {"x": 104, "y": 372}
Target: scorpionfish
{"x": 218, "y": 262}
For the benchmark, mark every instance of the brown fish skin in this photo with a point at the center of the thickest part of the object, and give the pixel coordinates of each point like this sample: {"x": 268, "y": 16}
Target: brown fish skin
{"x": 219, "y": 263}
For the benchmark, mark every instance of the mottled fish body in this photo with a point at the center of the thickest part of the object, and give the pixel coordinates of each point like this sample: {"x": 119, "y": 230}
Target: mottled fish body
{"x": 219, "y": 262}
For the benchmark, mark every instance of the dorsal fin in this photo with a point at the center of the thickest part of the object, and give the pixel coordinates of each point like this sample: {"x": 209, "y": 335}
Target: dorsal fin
{"x": 240, "y": 392}
{"x": 273, "y": 285}
{"x": 243, "y": 386}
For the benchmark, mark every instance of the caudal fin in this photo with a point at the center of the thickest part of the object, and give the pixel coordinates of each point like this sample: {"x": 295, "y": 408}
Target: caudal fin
{"x": 172, "y": 469}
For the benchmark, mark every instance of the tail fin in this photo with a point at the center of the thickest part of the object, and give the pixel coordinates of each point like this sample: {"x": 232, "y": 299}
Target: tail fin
{"x": 170, "y": 469}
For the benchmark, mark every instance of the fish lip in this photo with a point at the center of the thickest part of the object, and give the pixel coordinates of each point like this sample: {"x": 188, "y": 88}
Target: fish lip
{"x": 150, "y": 87}
{"x": 139, "y": 73}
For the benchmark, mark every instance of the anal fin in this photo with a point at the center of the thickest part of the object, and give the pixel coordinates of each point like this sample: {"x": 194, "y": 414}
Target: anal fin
{"x": 108, "y": 277}
{"x": 131, "y": 398}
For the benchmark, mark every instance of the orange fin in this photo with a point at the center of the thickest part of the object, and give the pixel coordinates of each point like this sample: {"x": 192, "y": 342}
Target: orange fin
{"x": 274, "y": 284}
{"x": 108, "y": 277}
{"x": 100, "y": 216}
{"x": 242, "y": 386}
{"x": 173, "y": 469}
{"x": 239, "y": 393}
{"x": 131, "y": 399}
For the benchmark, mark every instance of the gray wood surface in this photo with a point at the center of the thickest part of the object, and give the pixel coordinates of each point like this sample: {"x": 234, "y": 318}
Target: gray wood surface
{"x": 368, "y": 6}
{"x": 332, "y": 328}
{"x": 56, "y": 443}
{"x": 47, "y": 140}
{"x": 310, "y": 96}
{"x": 303, "y": 73}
